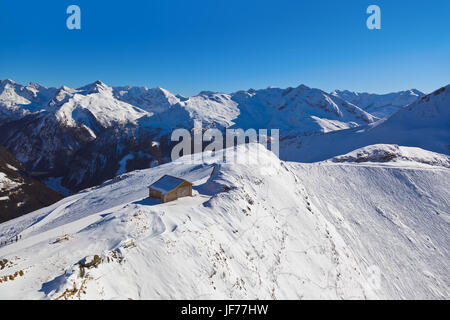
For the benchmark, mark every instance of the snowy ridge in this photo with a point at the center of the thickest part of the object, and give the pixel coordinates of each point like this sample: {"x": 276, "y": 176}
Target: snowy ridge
{"x": 266, "y": 229}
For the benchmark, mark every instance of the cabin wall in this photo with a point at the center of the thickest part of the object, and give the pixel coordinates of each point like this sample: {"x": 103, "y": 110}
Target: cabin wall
{"x": 170, "y": 196}
{"x": 154, "y": 194}
{"x": 183, "y": 190}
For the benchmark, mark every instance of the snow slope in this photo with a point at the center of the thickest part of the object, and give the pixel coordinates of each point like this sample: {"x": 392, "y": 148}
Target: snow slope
{"x": 255, "y": 228}
{"x": 395, "y": 217}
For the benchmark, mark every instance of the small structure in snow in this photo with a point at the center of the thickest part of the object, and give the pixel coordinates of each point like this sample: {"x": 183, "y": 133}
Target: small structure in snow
{"x": 169, "y": 188}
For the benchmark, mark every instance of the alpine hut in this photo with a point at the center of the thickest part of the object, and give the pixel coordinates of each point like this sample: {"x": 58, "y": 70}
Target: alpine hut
{"x": 169, "y": 188}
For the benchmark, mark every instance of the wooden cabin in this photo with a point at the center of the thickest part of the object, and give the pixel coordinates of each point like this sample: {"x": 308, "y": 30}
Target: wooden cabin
{"x": 169, "y": 188}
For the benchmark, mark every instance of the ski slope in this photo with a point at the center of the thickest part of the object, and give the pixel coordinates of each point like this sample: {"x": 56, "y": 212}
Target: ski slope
{"x": 256, "y": 228}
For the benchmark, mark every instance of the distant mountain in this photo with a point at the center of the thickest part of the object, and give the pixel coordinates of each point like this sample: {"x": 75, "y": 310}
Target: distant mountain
{"x": 424, "y": 124}
{"x": 380, "y": 105}
{"x": 297, "y": 111}
{"x": 19, "y": 192}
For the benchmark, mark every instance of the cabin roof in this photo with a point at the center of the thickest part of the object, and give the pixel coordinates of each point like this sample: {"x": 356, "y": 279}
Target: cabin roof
{"x": 167, "y": 183}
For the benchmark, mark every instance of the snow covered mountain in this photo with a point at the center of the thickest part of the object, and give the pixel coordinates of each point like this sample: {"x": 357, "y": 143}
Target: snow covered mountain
{"x": 19, "y": 192}
{"x": 77, "y": 138}
{"x": 82, "y": 137}
{"x": 424, "y": 124}
{"x": 257, "y": 228}
{"x": 380, "y": 105}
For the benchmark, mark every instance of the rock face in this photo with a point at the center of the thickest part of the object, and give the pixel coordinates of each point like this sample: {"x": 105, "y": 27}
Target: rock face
{"x": 19, "y": 192}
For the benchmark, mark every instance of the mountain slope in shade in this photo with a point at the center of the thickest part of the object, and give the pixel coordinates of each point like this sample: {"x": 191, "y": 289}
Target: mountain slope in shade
{"x": 424, "y": 124}
{"x": 253, "y": 230}
{"x": 380, "y": 105}
{"x": 19, "y": 192}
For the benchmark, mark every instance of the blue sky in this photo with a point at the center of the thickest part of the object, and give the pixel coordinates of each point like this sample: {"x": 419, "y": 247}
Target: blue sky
{"x": 189, "y": 46}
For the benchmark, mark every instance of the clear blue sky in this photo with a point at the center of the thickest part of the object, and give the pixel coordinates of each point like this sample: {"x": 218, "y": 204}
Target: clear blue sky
{"x": 187, "y": 46}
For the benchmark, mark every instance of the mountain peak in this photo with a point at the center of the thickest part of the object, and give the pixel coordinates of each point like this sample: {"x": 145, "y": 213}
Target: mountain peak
{"x": 5, "y": 82}
{"x": 94, "y": 87}
{"x": 303, "y": 87}
{"x": 10, "y": 81}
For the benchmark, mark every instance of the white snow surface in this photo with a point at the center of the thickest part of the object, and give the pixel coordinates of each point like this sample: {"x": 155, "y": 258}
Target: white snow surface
{"x": 256, "y": 228}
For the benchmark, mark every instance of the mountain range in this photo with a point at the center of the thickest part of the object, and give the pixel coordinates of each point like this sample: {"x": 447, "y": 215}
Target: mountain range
{"x": 77, "y": 138}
